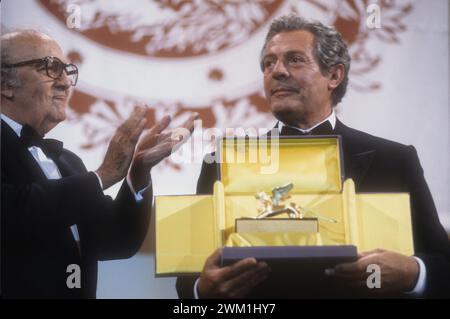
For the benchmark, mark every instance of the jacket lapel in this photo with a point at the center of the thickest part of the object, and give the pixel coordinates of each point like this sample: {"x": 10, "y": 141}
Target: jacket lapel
{"x": 16, "y": 159}
{"x": 65, "y": 167}
{"x": 360, "y": 163}
{"x": 357, "y": 157}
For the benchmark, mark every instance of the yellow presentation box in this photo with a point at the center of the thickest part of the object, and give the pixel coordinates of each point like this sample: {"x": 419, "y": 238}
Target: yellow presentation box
{"x": 189, "y": 228}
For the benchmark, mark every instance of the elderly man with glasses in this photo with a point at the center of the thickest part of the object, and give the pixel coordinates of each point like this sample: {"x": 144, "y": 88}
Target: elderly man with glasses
{"x": 56, "y": 223}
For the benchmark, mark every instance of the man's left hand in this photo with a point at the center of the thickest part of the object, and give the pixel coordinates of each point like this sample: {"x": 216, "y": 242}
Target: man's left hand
{"x": 155, "y": 145}
{"x": 398, "y": 273}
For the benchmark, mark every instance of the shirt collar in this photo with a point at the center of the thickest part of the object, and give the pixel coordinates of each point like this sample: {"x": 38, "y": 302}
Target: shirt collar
{"x": 16, "y": 127}
{"x": 331, "y": 118}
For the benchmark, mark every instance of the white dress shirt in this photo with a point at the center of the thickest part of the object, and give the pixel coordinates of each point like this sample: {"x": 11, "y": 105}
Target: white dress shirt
{"x": 331, "y": 118}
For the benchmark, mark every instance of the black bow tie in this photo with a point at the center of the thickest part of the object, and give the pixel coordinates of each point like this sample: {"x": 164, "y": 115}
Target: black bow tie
{"x": 323, "y": 129}
{"x": 29, "y": 137}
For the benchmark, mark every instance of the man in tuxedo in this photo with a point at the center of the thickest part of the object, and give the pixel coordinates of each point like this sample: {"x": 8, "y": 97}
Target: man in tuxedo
{"x": 305, "y": 66}
{"x": 56, "y": 223}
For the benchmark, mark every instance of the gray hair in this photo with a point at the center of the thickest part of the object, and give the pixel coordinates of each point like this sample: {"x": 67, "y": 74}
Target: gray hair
{"x": 329, "y": 47}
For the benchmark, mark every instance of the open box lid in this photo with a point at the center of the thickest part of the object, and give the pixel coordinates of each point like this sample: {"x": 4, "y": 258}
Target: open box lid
{"x": 313, "y": 164}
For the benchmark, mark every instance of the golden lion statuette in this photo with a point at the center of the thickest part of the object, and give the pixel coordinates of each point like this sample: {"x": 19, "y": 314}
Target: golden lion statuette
{"x": 300, "y": 219}
{"x": 276, "y": 205}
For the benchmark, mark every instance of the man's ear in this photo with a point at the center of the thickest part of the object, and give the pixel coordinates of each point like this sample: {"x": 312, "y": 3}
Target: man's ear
{"x": 336, "y": 76}
{"x": 7, "y": 91}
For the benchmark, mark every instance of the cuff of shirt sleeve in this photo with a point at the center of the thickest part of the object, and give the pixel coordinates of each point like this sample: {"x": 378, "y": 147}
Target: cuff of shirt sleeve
{"x": 421, "y": 281}
{"x": 195, "y": 289}
{"x": 99, "y": 180}
{"x": 137, "y": 195}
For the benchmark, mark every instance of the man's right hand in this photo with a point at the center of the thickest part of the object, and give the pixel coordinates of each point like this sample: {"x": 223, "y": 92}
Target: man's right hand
{"x": 234, "y": 281}
{"x": 121, "y": 148}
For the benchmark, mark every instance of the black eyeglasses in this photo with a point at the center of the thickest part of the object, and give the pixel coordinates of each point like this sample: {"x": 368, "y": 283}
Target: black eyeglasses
{"x": 53, "y": 66}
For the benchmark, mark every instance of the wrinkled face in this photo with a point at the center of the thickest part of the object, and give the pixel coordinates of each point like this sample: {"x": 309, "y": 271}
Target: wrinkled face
{"x": 297, "y": 92}
{"x": 43, "y": 99}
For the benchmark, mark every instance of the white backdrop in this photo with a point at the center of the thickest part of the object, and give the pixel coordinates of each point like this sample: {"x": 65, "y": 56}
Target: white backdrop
{"x": 399, "y": 88}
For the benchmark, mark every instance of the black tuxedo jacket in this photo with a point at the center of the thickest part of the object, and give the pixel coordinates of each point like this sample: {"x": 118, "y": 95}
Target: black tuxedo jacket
{"x": 37, "y": 244}
{"x": 375, "y": 165}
